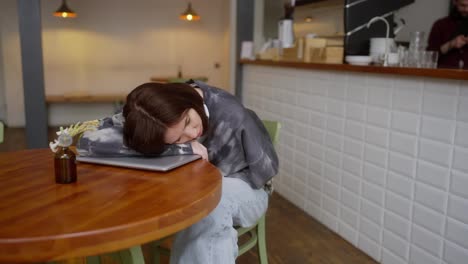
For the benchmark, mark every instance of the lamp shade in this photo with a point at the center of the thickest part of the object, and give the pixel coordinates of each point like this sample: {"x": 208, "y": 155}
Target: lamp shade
{"x": 189, "y": 14}
{"x": 64, "y": 11}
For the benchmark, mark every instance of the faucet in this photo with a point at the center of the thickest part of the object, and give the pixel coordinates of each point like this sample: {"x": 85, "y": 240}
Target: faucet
{"x": 374, "y": 19}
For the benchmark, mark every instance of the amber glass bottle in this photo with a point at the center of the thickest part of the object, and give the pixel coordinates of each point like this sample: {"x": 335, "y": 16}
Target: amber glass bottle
{"x": 65, "y": 161}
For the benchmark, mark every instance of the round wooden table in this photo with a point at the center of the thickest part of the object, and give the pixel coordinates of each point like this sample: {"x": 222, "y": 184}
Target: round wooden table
{"x": 107, "y": 209}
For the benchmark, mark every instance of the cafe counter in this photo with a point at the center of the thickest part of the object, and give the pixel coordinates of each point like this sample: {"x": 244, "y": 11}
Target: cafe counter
{"x": 364, "y": 149}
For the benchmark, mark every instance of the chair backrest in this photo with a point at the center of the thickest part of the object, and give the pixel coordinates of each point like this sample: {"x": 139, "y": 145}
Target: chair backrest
{"x": 273, "y": 128}
{"x": 1, "y": 131}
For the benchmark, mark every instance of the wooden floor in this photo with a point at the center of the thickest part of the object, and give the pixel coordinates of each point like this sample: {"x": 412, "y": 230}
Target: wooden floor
{"x": 293, "y": 237}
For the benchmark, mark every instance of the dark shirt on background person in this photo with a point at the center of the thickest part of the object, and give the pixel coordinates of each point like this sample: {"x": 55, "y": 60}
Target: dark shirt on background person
{"x": 449, "y": 36}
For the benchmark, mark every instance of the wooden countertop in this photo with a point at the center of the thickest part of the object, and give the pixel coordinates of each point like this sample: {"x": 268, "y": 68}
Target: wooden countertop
{"x": 434, "y": 73}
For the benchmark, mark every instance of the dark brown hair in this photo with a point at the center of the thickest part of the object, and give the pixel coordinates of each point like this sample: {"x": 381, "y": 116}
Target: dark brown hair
{"x": 153, "y": 107}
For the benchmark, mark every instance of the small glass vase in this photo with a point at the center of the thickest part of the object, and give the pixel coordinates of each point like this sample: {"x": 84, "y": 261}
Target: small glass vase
{"x": 65, "y": 161}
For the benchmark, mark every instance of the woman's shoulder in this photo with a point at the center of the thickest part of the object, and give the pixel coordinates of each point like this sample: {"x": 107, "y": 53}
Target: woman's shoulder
{"x": 217, "y": 96}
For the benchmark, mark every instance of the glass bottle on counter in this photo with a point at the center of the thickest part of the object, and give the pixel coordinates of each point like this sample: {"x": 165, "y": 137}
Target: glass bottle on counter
{"x": 65, "y": 160}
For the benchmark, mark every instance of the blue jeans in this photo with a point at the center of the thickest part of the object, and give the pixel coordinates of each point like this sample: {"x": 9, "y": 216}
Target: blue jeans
{"x": 213, "y": 240}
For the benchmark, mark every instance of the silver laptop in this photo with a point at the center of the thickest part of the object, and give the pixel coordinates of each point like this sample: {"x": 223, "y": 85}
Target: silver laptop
{"x": 144, "y": 163}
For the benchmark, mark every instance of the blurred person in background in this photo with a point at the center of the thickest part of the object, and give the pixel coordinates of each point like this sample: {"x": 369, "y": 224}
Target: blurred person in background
{"x": 449, "y": 37}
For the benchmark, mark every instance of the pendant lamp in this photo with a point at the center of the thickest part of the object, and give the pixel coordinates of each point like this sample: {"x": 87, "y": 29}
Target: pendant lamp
{"x": 189, "y": 14}
{"x": 64, "y": 11}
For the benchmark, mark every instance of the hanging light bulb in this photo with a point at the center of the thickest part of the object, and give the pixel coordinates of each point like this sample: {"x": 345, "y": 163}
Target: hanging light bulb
{"x": 64, "y": 11}
{"x": 189, "y": 14}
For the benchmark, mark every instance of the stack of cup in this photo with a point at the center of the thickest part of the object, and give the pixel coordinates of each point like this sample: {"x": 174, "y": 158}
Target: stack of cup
{"x": 416, "y": 49}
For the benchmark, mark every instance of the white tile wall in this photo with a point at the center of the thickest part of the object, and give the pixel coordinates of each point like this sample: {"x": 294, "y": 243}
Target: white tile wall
{"x": 382, "y": 160}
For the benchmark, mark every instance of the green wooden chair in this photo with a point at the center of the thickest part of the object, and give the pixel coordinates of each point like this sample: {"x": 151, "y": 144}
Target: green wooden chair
{"x": 2, "y": 127}
{"x": 256, "y": 232}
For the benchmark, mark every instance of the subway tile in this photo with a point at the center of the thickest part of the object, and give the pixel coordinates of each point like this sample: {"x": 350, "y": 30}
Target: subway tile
{"x": 330, "y": 206}
{"x": 457, "y": 232}
{"x": 335, "y": 124}
{"x": 356, "y": 93}
{"x": 349, "y": 217}
{"x": 454, "y": 254}
{"x": 462, "y": 112}
{"x": 301, "y": 115}
{"x": 332, "y": 174}
{"x": 336, "y": 107}
{"x": 432, "y": 174}
{"x": 460, "y": 159}
{"x": 435, "y": 152}
{"x": 375, "y": 155}
{"x": 438, "y": 129}
{"x": 334, "y": 141}
{"x": 390, "y": 258}
{"x": 369, "y": 247}
{"x": 300, "y": 187}
{"x": 330, "y": 221}
{"x": 353, "y": 147}
{"x": 403, "y": 143}
{"x": 405, "y": 122}
{"x": 431, "y": 197}
{"x": 370, "y": 229}
{"x": 355, "y": 112}
{"x": 378, "y": 117}
{"x": 372, "y": 212}
{"x": 459, "y": 184}
{"x": 316, "y": 150}
{"x": 400, "y": 184}
{"x": 348, "y": 233}
{"x": 409, "y": 100}
{"x": 316, "y": 135}
{"x": 316, "y": 119}
{"x": 351, "y": 182}
{"x": 314, "y": 196}
{"x": 374, "y": 174}
{"x": 402, "y": 164}
{"x": 315, "y": 181}
{"x": 352, "y": 165}
{"x": 351, "y": 200}
{"x": 380, "y": 96}
{"x": 313, "y": 210}
{"x": 377, "y": 136}
{"x": 458, "y": 208}
{"x": 354, "y": 130}
{"x": 336, "y": 90}
{"x": 419, "y": 256}
{"x": 461, "y": 134}
{"x": 395, "y": 244}
{"x": 373, "y": 193}
{"x": 442, "y": 87}
{"x": 426, "y": 240}
{"x": 331, "y": 189}
{"x": 315, "y": 165}
{"x": 301, "y": 174}
{"x": 301, "y": 160}
{"x": 317, "y": 103}
{"x": 397, "y": 225}
{"x": 429, "y": 219}
{"x": 302, "y": 146}
{"x": 398, "y": 204}
{"x": 333, "y": 157}
{"x": 439, "y": 105}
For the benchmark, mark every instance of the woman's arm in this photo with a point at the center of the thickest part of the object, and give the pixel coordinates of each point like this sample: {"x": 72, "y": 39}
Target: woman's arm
{"x": 260, "y": 154}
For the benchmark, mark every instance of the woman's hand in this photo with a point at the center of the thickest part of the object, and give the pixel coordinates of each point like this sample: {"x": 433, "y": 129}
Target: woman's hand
{"x": 199, "y": 149}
